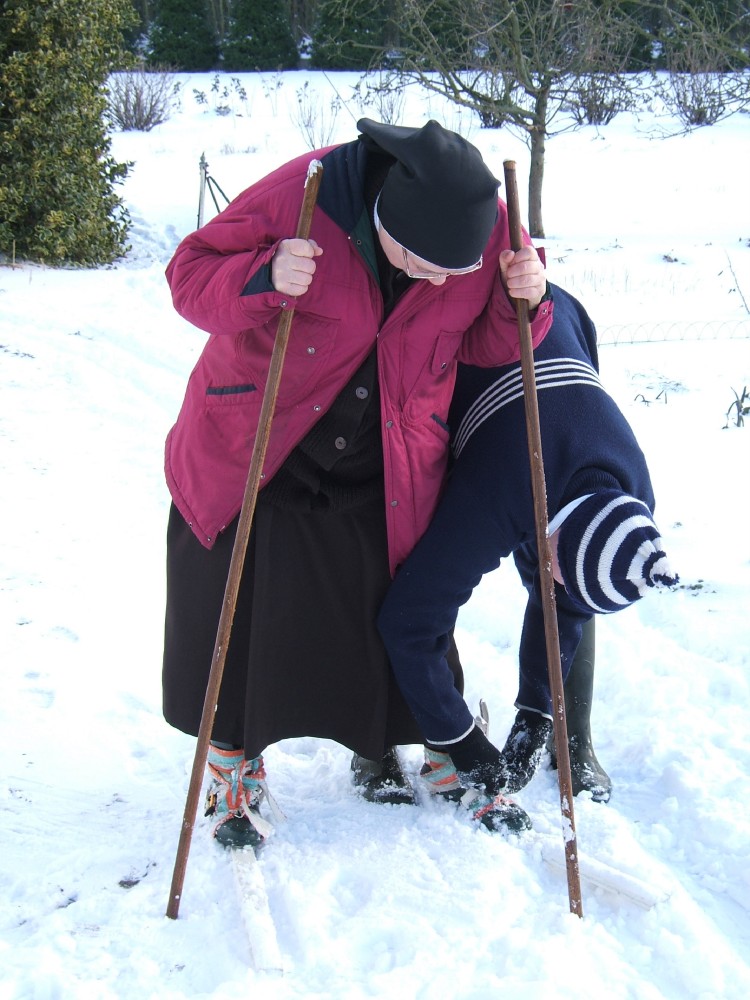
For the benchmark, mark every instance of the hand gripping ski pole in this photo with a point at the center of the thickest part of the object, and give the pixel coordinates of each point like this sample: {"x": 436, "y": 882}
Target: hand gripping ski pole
{"x": 539, "y": 489}
{"x": 312, "y": 184}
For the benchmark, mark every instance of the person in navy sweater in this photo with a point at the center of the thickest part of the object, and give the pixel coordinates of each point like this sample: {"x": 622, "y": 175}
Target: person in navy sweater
{"x": 606, "y": 554}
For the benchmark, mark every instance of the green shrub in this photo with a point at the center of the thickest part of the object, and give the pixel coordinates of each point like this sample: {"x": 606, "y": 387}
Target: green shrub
{"x": 57, "y": 178}
{"x": 181, "y": 36}
{"x": 349, "y": 34}
{"x": 260, "y": 37}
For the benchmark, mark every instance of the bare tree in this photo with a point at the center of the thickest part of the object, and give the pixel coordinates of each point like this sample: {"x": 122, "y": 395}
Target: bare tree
{"x": 705, "y": 49}
{"x": 707, "y": 37}
{"x": 521, "y": 64}
{"x": 516, "y": 63}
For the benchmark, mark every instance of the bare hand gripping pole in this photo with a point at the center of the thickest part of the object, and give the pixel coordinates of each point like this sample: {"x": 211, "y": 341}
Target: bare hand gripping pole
{"x": 312, "y": 184}
{"x": 539, "y": 489}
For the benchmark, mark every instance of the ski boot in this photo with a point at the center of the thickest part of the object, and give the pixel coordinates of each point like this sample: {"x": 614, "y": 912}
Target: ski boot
{"x": 234, "y": 797}
{"x": 382, "y": 780}
{"x": 494, "y": 812}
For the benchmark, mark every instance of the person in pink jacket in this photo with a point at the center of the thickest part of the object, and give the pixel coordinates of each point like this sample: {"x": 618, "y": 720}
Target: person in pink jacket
{"x": 407, "y": 271}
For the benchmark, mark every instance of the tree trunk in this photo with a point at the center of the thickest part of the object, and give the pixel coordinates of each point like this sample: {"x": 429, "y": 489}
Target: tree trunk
{"x": 537, "y": 137}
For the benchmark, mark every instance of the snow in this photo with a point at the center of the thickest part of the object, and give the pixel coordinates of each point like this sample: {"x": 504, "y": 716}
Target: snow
{"x": 376, "y": 901}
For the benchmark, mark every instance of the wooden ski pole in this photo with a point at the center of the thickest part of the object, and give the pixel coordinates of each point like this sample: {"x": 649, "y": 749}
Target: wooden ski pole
{"x": 539, "y": 490}
{"x": 312, "y": 184}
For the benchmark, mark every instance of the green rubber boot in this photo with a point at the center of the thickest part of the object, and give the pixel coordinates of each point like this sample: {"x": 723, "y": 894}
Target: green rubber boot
{"x": 587, "y": 774}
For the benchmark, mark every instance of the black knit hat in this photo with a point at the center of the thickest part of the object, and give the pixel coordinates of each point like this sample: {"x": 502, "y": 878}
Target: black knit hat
{"x": 438, "y": 200}
{"x": 609, "y": 552}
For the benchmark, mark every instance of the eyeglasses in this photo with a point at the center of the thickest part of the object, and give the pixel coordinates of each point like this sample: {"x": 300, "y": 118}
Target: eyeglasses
{"x": 423, "y": 276}
{"x": 435, "y": 274}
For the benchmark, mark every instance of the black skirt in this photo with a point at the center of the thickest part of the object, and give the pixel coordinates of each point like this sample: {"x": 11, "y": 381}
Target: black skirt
{"x": 304, "y": 657}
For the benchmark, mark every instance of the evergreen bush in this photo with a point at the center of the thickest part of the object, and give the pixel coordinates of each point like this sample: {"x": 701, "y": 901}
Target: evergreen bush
{"x": 259, "y": 38}
{"x": 349, "y": 35}
{"x": 57, "y": 178}
{"x": 181, "y": 36}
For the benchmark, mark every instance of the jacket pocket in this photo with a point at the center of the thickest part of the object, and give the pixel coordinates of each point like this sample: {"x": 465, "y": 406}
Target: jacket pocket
{"x": 441, "y": 423}
{"x": 446, "y": 349}
{"x": 223, "y": 395}
{"x": 312, "y": 339}
{"x": 431, "y": 391}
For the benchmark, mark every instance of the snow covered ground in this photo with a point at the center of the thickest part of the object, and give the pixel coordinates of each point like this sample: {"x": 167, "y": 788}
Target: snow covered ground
{"x": 653, "y": 234}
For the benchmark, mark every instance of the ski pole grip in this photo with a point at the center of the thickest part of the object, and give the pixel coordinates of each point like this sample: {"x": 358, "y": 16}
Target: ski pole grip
{"x": 514, "y": 213}
{"x": 312, "y": 185}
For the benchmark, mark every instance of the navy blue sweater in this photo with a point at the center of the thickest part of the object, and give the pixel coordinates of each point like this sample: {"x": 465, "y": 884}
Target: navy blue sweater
{"x": 487, "y": 513}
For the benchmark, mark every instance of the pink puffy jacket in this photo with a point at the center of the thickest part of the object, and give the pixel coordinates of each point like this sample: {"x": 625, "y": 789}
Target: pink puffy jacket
{"x": 219, "y": 278}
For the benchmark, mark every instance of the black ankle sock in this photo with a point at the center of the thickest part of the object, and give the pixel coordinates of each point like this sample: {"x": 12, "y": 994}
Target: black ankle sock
{"x": 225, "y": 746}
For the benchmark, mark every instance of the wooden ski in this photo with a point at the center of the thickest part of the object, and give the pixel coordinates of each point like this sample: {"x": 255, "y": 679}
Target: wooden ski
{"x": 256, "y": 913}
{"x": 603, "y": 876}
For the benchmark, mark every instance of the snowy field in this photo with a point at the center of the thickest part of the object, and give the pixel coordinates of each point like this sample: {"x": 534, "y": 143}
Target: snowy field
{"x": 368, "y": 901}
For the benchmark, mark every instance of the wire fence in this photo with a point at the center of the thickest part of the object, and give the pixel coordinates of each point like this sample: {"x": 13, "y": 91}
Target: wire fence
{"x": 660, "y": 332}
